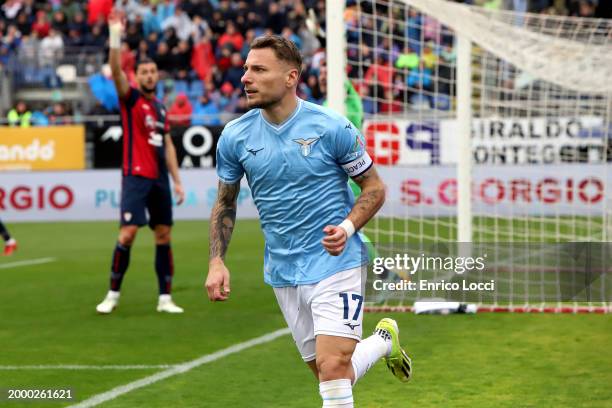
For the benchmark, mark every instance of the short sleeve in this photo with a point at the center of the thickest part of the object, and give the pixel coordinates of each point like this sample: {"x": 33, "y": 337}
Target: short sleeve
{"x": 229, "y": 169}
{"x": 351, "y": 153}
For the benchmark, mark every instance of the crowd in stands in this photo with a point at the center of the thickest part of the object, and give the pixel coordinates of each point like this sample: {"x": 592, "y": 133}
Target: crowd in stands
{"x": 200, "y": 47}
{"x": 56, "y": 114}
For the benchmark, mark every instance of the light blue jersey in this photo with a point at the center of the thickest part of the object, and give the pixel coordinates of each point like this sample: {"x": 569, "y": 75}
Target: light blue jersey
{"x": 298, "y": 173}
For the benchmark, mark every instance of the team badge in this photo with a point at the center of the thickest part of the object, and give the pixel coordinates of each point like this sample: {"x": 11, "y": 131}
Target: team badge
{"x": 306, "y": 145}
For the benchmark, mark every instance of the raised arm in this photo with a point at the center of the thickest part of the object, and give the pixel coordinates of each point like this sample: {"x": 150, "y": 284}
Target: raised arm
{"x": 116, "y": 27}
{"x": 222, "y": 221}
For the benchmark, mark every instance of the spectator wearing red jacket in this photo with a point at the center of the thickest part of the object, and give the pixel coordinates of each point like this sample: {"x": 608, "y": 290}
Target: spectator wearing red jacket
{"x": 180, "y": 111}
{"x": 203, "y": 58}
{"x": 41, "y": 26}
{"x": 232, "y": 37}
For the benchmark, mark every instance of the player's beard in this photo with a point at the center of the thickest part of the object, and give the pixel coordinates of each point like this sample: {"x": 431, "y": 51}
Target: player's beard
{"x": 147, "y": 90}
{"x": 265, "y": 104}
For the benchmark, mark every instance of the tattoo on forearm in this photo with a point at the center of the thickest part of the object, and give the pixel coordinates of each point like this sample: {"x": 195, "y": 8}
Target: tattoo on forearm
{"x": 371, "y": 199}
{"x": 223, "y": 219}
{"x": 368, "y": 203}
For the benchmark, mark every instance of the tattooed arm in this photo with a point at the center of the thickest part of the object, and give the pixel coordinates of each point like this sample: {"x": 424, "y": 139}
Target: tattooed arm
{"x": 367, "y": 205}
{"x": 222, "y": 222}
{"x": 371, "y": 199}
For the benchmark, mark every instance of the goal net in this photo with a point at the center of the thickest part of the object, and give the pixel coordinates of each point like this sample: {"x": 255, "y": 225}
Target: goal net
{"x": 490, "y": 128}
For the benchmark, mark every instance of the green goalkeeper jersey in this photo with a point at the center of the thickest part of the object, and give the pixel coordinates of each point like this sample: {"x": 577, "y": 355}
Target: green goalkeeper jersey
{"x": 353, "y": 105}
{"x": 354, "y": 113}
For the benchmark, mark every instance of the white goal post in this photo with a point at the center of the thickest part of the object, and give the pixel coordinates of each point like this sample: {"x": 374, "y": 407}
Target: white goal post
{"x": 488, "y": 126}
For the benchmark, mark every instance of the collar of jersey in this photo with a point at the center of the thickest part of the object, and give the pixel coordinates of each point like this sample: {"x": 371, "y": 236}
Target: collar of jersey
{"x": 280, "y": 127}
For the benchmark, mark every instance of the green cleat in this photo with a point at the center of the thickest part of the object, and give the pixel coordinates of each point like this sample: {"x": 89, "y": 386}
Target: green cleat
{"x": 398, "y": 361}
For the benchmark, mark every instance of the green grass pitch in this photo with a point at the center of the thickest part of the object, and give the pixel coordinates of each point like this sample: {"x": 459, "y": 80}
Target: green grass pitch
{"x": 47, "y": 317}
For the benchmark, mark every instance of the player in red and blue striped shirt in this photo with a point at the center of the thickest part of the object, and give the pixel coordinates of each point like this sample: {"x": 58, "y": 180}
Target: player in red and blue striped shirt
{"x": 148, "y": 157}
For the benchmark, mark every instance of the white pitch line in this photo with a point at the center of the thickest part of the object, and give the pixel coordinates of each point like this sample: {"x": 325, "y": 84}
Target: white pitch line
{"x": 178, "y": 369}
{"x": 27, "y": 262}
{"x": 85, "y": 367}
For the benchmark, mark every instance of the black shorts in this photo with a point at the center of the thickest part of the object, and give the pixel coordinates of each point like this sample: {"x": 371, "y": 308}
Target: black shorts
{"x": 140, "y": 193}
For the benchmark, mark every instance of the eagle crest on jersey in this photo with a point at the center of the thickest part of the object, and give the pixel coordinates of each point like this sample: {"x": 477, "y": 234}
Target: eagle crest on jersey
{"x": 306, "y": 145}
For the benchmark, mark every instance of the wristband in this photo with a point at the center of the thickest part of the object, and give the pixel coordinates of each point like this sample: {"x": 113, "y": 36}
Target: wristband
{"x": 114, "y": 39}
{"x": 348, "y": 226}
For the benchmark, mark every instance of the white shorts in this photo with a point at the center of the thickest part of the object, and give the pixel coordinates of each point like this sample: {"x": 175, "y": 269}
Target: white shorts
{"x": 333, "y": 306}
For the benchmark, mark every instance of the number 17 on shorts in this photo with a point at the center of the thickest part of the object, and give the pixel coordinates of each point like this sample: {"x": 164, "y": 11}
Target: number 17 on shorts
{"x": 352, "y": 306}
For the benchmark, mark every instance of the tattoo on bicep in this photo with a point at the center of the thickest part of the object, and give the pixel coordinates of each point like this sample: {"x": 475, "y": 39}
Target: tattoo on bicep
{"x": 223, "y": 219}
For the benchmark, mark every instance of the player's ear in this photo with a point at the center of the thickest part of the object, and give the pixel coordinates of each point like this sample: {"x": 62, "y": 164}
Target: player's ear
{"x": 292, "y": 77}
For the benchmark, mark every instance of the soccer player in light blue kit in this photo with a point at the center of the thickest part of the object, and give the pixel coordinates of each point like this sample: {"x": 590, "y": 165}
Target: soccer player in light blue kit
{"x": 297, "y": 158}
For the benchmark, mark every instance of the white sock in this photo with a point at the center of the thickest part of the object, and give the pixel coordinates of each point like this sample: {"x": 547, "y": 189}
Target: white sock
{"x": 165, "y": 298}
{"x": 367, "y": 353}
{"x": 386, "y": 336}
{"x": 11, "y": 241}
{"x": 113, "y": 294}
{"x": 336, "y": 393}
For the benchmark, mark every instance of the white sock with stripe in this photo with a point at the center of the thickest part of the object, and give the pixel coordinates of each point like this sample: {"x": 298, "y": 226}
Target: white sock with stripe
{"x": 367, "y": 353}
{"x": 336, "y": 393}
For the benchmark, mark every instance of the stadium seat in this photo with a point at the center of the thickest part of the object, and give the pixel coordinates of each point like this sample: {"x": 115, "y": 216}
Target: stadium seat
{"x": 67, "y": 73}
{"x": 181, "y": 87}
{"x": 442, "y": 102}
{"x": 196, "y": 89}
{"x": 420, "y": 101}
{"x": 369, "y": 105}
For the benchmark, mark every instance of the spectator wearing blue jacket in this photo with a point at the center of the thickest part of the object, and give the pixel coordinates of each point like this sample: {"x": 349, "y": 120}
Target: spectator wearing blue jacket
{"x": 206, "y": 112}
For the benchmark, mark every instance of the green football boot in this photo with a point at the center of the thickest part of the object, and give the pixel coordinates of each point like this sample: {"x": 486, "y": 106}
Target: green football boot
{"x": 398, "y": 361}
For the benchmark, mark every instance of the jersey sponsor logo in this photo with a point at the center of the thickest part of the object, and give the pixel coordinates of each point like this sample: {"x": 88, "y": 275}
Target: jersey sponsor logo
{"x": 155, "y": 139}
{"x": 145, "y": 107}
{"x": 149, "y": 122}
{"x": 352, "y": 326}
{"x": 254, "y": 151}
{"x": 306, "y": 145}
